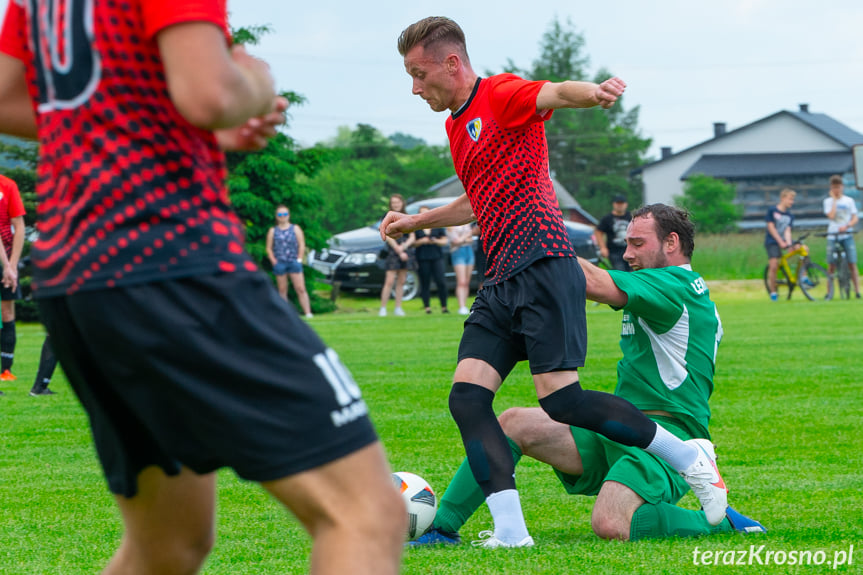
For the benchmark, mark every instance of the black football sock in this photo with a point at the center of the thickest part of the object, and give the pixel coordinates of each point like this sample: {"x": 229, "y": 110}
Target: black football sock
{"x": 487, "y": 448}
{"x": 7, "y": 345}
{"x": 604, "y": 413}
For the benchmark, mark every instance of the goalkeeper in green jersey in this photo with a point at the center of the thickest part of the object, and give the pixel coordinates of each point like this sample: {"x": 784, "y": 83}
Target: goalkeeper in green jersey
{"x": 670, "y": 333}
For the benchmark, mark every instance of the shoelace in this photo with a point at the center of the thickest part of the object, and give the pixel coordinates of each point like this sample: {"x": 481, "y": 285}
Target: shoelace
{"x": 484, "y": 537}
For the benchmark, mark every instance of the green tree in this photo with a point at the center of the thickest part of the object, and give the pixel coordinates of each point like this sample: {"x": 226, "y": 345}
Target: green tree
{"x": 710, "y": 202}
{"x": 591, "y": 152}
{"x": 364, "y": 168}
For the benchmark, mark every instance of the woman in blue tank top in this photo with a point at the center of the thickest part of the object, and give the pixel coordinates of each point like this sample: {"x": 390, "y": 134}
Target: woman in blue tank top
{"x": 286, "y": 245}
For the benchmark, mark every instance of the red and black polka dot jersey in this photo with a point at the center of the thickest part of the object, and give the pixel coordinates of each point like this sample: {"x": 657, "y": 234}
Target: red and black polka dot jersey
{"x": 11, "y": 206}
{"x": 129, "y": 192}
{"x": 498, "y": 146}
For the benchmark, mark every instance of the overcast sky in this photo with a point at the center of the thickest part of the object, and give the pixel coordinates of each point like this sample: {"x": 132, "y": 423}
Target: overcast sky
{"x": 687, "y": 64}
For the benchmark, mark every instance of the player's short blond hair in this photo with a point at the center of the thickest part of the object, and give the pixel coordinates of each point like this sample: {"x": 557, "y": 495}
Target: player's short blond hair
{"x": 786, "y": 193}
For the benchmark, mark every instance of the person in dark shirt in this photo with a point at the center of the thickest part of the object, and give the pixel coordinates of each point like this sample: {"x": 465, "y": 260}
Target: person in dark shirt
{"x": 429, "y": 254}
{"x": 532, "y": 304}
{"x": 777, "y": 236}
{"x": 612, "y": 233}
{"x": 198, "y": 364}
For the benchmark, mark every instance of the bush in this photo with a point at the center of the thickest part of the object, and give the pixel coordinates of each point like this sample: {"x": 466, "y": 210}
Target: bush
{"x": 710, "y": 202}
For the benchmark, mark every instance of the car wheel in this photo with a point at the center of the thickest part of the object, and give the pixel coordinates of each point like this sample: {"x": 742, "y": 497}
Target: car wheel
{"x": 412, "y": 287}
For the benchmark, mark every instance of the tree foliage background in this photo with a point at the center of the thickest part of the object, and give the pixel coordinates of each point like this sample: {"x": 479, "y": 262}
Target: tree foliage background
{"x": 710, "y": 202}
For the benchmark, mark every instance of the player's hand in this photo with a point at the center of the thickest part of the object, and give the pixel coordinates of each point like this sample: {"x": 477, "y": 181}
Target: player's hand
{"x": 10, "y": 278}
{"x": 403, "y": 256}
{"x": 395, "y": 225}
{"x": 609, "y": 91}
{"x": 254, "y": 134}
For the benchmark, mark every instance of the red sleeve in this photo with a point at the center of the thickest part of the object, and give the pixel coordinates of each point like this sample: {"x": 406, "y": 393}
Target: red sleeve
{"x": 16, "y": 206}
{"x": 159, "y": 14}
{"x": 12, "y": 36}
{"x": 513, "y": 101}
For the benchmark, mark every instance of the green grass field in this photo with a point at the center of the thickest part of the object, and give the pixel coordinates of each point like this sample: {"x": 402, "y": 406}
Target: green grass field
{"x": 788, "y": 410}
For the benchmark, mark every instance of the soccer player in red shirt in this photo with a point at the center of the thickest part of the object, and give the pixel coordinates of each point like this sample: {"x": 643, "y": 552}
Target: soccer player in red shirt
{"x": 532, "y": 305}
{"x": 12, "y": 234}
{"x": 180, "y": 350}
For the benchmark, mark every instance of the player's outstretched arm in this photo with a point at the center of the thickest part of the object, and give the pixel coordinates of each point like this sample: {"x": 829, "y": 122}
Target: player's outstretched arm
{"x": 575, "y": 94}
{"x": 455, "y": 213}
{"x": 213, "y": 86}
{"x": 600, "y": 287}
{"x": 16, "y": 110}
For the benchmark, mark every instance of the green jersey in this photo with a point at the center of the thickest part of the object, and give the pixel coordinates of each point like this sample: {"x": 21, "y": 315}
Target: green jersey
{"x": 669, "y": 337}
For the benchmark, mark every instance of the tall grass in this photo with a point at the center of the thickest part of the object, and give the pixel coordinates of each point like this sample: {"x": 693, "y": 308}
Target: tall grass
{"x": 787, "y": 414}
{"x": 741, "y": 256}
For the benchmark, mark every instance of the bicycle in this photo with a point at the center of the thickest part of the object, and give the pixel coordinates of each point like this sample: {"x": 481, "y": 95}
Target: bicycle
{"x": 812, "y": 279}
{"x": 840, "y": 263}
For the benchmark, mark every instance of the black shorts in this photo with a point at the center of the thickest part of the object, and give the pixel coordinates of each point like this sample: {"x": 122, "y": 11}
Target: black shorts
{"x": 7, "y": 294}
{"x": 773, "y": 251}
{"x": 204, "y": 372}
{"x": 538, "y": 315}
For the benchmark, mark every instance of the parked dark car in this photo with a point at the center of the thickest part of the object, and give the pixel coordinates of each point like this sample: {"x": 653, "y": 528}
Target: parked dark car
{"x": 354, "y": 260}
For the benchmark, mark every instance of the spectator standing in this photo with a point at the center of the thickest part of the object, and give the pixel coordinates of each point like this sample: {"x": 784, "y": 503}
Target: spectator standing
{"x": 841, "y": 210}
{"x": 778, "y": 235}
{"x": 612, "y": 233}
{"x": 463, "y": 260}
{"x": 429, "y": 253}
{"x": 400, "y": 260}
{"x": 12, "y": 233}
{"x": 286, "y": 245}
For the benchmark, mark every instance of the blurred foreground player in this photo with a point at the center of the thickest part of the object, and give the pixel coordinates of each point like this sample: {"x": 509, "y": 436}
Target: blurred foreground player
{"x": 173, "y": 340}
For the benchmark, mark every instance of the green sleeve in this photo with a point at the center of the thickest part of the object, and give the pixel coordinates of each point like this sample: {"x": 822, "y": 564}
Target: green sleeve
{"x": 650, "y": 296}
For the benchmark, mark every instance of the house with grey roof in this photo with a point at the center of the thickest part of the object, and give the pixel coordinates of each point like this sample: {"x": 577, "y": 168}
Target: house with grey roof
{"x": 798, "y": 149}
{"x": 571, "y": 209}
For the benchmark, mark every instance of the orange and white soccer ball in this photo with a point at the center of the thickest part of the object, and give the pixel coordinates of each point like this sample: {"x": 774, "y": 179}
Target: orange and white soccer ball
{"x": 420, "y": 501}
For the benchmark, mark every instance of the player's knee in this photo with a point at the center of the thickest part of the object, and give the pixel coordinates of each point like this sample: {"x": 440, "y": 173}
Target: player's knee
{"x": 468, "y": 399}
{"x": 516, "y": 424}
{"x": 609, "y": 526}
{"x": 181, "y": 555}
{"x": 565, "y": 403}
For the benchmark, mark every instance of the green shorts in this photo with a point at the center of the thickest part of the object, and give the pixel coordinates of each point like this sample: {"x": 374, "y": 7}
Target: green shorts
{"x": 606, "y": 460}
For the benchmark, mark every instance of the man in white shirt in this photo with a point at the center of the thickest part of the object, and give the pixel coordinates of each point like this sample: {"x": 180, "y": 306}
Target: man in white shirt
{"x": 842, "y": 212}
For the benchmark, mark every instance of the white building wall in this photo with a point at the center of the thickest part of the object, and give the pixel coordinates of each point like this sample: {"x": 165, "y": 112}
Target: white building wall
{"x": 784, "y": 133}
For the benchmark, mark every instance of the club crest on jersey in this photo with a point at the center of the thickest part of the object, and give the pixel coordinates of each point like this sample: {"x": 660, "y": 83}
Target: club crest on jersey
{"x": 474, "y": 127}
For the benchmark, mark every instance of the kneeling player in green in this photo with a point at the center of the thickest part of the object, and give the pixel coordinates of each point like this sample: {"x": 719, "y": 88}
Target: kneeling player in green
{"x": 669, "y": 336}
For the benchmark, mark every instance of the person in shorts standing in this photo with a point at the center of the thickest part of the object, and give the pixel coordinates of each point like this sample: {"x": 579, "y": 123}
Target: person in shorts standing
{"x": 200, "y": 364}
{"x": 532, "y": 305}
{"x": 399, "y": 261}
{"x": 286, "y": 245}
{"x": 12, "y": 233}
{"x": 777, "y": 236}
{"x": 463, "y": 261}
